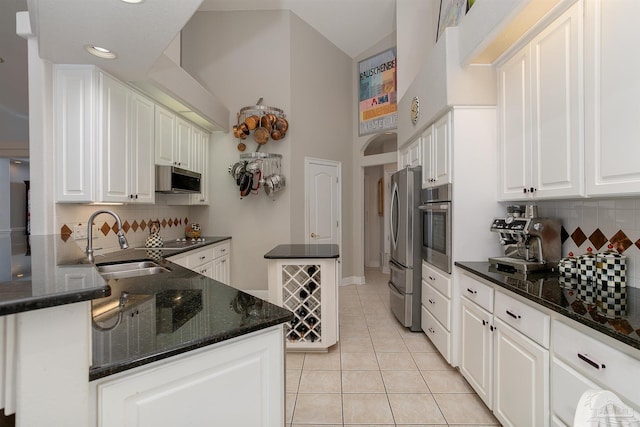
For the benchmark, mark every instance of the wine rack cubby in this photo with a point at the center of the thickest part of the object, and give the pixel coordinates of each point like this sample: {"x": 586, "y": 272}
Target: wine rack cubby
{"x": 308, "y": 289}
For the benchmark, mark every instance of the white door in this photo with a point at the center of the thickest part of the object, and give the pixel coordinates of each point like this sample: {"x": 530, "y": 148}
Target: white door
{"x": 142, "y": 149}
{"x": 322, "y": 201}
{"x": 477, "y": 350}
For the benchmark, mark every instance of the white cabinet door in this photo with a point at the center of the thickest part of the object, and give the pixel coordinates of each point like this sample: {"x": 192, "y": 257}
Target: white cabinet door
{"x": 165, "y": 135}
{"x": 557, "y": 87}
{"x": 612, "y": 90}
{"x": 436, "y": 153}
{"x": 521, "y": 387}
{"x": 476, "y": 353}
{"x": 142, "y": 150}
{"x": 200, "y": 163}
{"x": 207, "y": 270}
{"x": 212, "y": 386}
{"x": 222, "y": 269}
{"x": 74, "y": 112}
{"x": 514, "y": 130}
{"x": 412, "y": 155}
{"x": 441, "y": 168}
{"x": 428, "y": 142}
{"x": 114, "y": 156}
{"x": 541, "y": 117}
{"x": 182, "y": 146}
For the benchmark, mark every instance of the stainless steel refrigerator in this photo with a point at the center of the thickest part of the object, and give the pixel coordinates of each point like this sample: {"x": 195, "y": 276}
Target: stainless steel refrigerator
{"x": 405, "y": 264}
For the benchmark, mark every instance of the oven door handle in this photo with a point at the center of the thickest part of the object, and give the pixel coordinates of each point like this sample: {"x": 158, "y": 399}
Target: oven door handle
{"x": 441, "y": 207}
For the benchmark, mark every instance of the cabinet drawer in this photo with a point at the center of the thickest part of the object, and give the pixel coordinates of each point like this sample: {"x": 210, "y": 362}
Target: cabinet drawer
{"x": 524, "y": 318}
{"x": 181, "y": 260}
{"x": 200, "y": 257}
{"x": 611, "y": 368}
{"x": 438, "y": 335}
{"x": 221, "y": 250}
{"x": 437, "y": 304}
{"x": 438, "y": 280}
{"x": 477, "y": 292}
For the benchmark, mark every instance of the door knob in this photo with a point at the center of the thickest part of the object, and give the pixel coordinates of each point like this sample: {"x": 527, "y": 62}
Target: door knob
{"x": 314, "y": 235}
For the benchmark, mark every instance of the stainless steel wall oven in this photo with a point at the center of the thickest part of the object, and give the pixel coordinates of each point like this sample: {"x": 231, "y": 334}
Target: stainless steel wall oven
{"x": 435, "y": 213}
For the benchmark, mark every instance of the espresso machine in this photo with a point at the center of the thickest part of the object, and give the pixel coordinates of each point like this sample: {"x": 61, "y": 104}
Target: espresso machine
{"x": 530, "y": 243}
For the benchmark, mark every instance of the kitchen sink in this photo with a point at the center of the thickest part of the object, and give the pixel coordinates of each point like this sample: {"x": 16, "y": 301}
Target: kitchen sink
{"x": 130, "y": 269}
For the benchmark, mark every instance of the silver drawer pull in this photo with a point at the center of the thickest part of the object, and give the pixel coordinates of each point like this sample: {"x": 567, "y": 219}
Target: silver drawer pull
{"x": 432, "y": 330}
{"x": 223, "y": 250}
{"x": 203, "y": 257}
{"x": 591, "y": 362}
{"x": 432, "y": 278}
{"x": 515, "y": 316}
{"x": 431, "y": 301}
{"x": 472, "y": 291}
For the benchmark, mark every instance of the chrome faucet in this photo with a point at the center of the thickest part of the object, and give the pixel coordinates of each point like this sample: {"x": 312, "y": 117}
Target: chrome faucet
{"x": 122, "y": 240}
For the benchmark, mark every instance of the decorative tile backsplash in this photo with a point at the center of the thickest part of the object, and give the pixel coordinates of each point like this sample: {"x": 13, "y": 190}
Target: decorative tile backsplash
{"x": 596, "y": 223}
{"x": 135, "y": 223}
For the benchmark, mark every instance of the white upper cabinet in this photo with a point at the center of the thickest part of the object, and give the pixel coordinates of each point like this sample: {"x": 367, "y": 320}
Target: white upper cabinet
{"x": 165, "y": 125}
{"x": 126, "y": 145}
{"x": 612, "y": 90}
{"x": 74, "y": 108}
{"x": 104, "y": 137}
{"x": 541, "y": 115}
{"x": 411, "y": 156}
{"x": 436, "y": 153}
{"x": 142, "y": 149}
{"x": 183, "y": 145}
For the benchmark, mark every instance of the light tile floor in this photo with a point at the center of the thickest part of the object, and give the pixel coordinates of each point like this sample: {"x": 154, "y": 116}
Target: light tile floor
{"x": 380, "y": 373}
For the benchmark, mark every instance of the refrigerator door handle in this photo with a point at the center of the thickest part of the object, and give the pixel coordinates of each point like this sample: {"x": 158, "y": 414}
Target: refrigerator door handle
{"x": 393, "y": 219}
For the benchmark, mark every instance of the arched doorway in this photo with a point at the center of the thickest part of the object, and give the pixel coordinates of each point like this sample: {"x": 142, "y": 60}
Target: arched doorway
{"x": 378, "y": 161}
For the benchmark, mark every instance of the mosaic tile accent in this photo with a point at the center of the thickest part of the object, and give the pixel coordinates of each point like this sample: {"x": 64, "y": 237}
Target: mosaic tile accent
{"x": 620, "y": 241}
{"x": 105, "y": 228}
{"x": 563, "y": 234}
{"x": 578, "y": 236}
{"x": 66, "y": 231}
{"x": 598, "y": 239}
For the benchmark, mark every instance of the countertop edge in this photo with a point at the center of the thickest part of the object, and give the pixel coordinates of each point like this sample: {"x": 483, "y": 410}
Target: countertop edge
{"x": 102, "y": 372}
{"x": 555, "y": 308}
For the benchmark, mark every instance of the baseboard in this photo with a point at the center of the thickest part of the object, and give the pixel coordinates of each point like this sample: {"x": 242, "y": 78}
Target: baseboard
{"x": 352, "y": 280}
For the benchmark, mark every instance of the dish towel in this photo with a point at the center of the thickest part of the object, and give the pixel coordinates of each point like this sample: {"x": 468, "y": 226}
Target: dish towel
{"x": 602, "y": 408}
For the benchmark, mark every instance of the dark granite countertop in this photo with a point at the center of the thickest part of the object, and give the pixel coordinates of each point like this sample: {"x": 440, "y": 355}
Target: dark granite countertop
{"x": 303, "y": 251}
{"x": 48, "y": 271}
{"x": 553, "y": 292}
{"x": 163, "y": 314}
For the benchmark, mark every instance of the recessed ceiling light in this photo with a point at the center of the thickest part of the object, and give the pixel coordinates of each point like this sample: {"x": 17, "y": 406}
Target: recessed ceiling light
{"x": 133, "y": 1}
{"x": 101, "y": 52}
{"x": 17, "y": 162}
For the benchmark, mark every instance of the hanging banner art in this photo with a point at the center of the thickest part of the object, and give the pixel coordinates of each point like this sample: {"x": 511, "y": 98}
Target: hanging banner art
{"x": 378, "y": 103}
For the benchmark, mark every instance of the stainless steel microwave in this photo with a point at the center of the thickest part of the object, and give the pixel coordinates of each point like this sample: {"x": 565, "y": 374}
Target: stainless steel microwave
{"x": 173, "y": 180}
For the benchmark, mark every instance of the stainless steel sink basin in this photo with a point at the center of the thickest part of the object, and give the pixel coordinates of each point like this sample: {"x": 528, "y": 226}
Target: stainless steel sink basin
{"x": 130, "y": 269}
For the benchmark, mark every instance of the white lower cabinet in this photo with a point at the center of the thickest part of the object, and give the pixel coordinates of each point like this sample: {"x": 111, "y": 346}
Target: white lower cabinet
{"x": 507, "y": 364}
{"x": 521, "y": 396}
{"x": 582, "y": 362}
{"x": 212, "y": 261}
{"x": 437, "y": 310}
{"x": 239, "y": 382}
{"x": 476, "y": 350}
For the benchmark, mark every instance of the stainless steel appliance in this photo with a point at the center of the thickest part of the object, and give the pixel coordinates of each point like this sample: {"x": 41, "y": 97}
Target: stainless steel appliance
{"x": 530, "y": 243}
{"x": 170, "y": 179}
{"x": 435, "y": 216}
{"x": 404, "y": 282}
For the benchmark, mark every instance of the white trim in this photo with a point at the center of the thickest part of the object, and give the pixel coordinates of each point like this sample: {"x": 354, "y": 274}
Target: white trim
{"x": 352, "y": 280}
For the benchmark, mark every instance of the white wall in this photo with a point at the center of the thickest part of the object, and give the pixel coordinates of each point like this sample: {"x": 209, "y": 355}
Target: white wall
{"x": 5, "y": 194}
{"x": 242, "y": 56}
{"x": 373, "y": 222}
{"x": 416, "y": 23}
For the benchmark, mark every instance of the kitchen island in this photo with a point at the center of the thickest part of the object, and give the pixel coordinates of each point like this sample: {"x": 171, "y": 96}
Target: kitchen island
{"x": 175, "y": 335}
{"x": 304, "y": 279}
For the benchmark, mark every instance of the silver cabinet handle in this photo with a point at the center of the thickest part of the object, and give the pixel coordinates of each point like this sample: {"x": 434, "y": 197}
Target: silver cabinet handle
{"x": 472, "y": 291}
{"x": 431, "y": 301}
